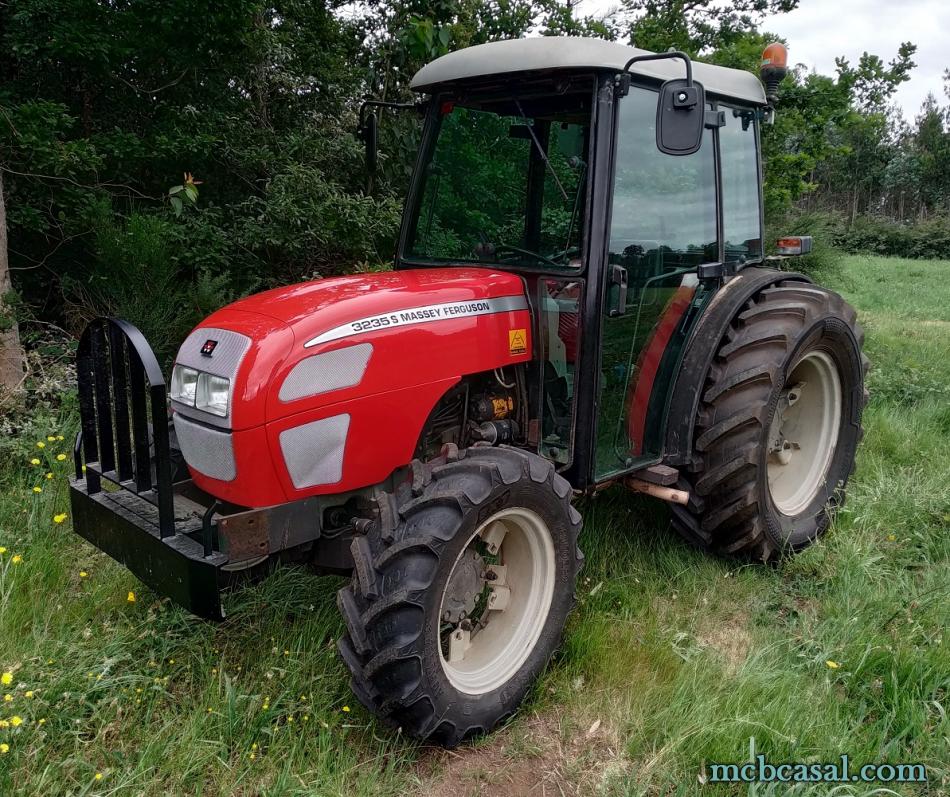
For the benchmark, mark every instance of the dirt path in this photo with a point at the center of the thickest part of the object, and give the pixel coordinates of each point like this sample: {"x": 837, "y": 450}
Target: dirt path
{"x": 538, "y": 756}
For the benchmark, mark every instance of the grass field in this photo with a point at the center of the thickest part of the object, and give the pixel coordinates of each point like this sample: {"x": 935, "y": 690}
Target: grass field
{"x": 672, "y": 660}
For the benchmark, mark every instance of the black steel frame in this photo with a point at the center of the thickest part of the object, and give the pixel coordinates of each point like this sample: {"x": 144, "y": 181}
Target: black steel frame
{"x": 117, "y": 372}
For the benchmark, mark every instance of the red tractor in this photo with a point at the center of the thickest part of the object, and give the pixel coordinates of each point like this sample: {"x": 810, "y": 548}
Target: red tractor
{"x": 580, "y": 298}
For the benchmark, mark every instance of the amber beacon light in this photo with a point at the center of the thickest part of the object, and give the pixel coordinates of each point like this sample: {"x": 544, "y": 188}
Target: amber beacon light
{"x": 774, "y": 67}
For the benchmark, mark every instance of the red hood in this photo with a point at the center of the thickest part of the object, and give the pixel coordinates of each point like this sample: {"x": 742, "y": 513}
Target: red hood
{"x": 313, "y": 308}
{"x": 418, "y": 332}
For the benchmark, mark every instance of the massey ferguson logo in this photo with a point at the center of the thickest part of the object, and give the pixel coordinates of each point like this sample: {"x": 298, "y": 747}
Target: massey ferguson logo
{"x": 208, "y": 349}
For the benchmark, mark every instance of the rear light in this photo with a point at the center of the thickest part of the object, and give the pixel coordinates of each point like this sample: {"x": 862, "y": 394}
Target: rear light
{"x": 213, "y": 394}
{"x": 794, "y": 245}
{"x": 184, "y": 385}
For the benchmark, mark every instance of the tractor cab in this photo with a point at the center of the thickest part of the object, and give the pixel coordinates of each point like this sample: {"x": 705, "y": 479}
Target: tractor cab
{"x": 622, "y": 186}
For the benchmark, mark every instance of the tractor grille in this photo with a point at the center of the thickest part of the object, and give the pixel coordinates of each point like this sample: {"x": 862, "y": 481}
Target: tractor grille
{"x": 322, "y": 373}
{"x": 124, "y": 417}
{"x": 313, "y": 452}
{"x": 208, "y": 451}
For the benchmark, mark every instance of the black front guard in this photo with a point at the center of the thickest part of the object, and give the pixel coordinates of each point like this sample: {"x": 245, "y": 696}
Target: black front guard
{"x": 131, "y": 501}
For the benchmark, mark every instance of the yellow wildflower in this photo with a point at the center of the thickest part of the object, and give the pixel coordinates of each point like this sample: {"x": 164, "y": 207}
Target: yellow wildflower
{"x": 4, "y": 748}
{"x": 34, "y": 461}
{"x": 41, "y": 444}
{"x": 51, "y": 438}
{"x": 171, "y": 661}
{"x": 41, "y": 721}
{"x": 891, "y": 537}
{"x": 346, "y": 708}
{"x": 60, "y": 518}
{"x": 4, "y": 724}
{"x": 60, "y": 457}
{"x": 306, "y": 718}
{"x": 49, "y": 475}
{"x": 286, "y": 652}
{"x": 17, "y": 559}
{"x": 98, "y": 776}
{"x": 6, "y": 679}
{"x": 832, "y": 665}
{"x": 60, "y": 437}
{"x": 37, "y": 489}
{"x": 28, "y": 693}
{"x": 130, "y": 597}
{"x": 7, "y": 697}
{"x": 83, "y": 574}
{"x": 252, "y": 756}
{"x": 210, "y": 709}
{"x": 2, "y": 550}
{"x": 16, "y": 721}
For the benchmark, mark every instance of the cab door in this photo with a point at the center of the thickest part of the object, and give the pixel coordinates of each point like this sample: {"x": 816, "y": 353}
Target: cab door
{"x": 663, "y": 226}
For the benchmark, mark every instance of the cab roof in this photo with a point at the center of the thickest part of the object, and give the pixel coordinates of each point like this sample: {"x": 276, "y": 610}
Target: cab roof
{"x": 548, "y": 53}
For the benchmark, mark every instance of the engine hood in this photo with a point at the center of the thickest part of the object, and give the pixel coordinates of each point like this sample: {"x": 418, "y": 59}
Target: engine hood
{"x": 332, "y": 381}
{"x": 331, "y": 309}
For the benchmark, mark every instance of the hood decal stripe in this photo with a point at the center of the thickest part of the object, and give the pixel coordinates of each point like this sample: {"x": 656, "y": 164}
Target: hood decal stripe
{"x": 425, "y": 314}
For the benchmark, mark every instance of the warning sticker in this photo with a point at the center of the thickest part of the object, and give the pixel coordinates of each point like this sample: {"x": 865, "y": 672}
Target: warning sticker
{"x": 517, "y": 342}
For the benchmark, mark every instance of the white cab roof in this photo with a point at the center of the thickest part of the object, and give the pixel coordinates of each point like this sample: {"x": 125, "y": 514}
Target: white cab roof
{"x": 572, "y": 52}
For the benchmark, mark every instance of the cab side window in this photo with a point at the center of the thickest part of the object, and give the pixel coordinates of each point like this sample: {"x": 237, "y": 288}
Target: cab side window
{"x": 741, "y": 206}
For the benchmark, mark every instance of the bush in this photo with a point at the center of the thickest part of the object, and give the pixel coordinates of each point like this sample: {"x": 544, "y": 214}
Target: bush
{"x": 928, "y": 239}
{"x": 141, "y": 272}
{"x": 824, "y": 261}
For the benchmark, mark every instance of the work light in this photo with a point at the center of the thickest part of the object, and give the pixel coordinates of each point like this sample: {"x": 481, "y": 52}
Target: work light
{"x": 184, "y": 384}
{"x": 212, "y": 394}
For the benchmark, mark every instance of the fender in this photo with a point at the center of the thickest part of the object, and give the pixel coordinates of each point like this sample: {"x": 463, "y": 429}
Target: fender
{"x": 706, "y": 340}
{"x": 339, "y": 375}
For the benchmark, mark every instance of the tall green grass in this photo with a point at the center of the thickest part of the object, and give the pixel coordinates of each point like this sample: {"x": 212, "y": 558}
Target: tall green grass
{"x": 683, "y": 658}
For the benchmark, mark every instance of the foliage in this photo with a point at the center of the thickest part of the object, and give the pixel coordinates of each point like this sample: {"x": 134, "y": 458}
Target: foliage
{"x": 825, "y": 262}
{"x": 926, "y": 239}
{"x": 257, "y": 104}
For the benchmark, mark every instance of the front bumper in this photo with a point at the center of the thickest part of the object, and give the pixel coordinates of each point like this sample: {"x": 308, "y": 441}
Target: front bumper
{"x": 126, "y": 527}
{"x": 129, "y": 497}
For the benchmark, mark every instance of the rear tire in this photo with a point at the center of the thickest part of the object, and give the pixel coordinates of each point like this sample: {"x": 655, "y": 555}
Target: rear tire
{"x": 778, "y": 425}
{"x": 414, "y": 568}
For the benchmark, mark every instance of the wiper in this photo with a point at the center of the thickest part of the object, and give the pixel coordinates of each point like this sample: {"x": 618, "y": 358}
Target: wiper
{"x": 541, "y": 152}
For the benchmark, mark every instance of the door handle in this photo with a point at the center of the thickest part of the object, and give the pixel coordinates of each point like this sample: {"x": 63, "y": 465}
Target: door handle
{"x": 617, "y": 278}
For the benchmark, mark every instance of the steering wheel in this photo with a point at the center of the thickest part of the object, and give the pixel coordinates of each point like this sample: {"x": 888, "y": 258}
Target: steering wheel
{"x": 518, "y": 250}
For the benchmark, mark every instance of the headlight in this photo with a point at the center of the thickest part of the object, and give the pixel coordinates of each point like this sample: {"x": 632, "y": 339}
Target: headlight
{"x": 184, "y": 384}
{"x": 212, "y": 394}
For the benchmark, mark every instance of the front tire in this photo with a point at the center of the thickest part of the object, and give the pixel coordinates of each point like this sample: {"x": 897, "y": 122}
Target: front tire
{"x": 462, "y": 585}
{"x": 778, "y": 425}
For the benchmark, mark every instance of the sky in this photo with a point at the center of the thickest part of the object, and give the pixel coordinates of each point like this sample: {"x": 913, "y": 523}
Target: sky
{"x": 820, "y": 30}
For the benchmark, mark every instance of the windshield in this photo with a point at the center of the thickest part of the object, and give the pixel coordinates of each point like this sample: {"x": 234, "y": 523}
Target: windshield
{"x": 505, "y": 183}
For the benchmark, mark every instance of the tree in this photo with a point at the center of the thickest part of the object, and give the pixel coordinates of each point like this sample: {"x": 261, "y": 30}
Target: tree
{"x": 11, "y": 351}
{"x": 696, "y": 26}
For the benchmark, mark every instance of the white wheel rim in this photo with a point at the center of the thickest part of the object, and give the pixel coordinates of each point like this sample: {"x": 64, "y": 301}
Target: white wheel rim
{"x": 804, "y": 433}
{"x": 495, "y": 652}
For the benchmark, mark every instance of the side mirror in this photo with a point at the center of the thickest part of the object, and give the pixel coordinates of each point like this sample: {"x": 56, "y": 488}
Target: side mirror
{"x": 680, "y": 117}
{"x": 369, "y": 132}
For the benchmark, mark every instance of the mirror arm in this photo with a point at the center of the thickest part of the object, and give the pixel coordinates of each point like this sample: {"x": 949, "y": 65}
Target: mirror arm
{"x": 661, "y": 57}
{"x": 402, "y": 106}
